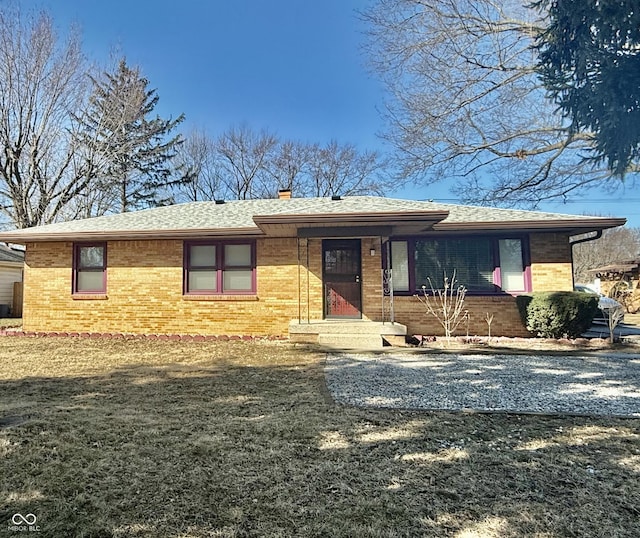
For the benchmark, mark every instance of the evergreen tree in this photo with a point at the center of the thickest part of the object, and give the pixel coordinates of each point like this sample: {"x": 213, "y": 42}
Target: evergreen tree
{"x": 590, "y": 64}
{"x": 133, "y": 148}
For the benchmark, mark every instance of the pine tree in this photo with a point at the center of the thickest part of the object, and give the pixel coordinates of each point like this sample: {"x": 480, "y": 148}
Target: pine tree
{"x": 133, "y": 148}
{"x": 590, "y": 64}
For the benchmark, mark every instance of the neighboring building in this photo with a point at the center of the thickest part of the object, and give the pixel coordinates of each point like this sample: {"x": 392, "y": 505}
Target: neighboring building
{"x": 253, "y": 267}
{"x": 11, "y": 265}
{"x": 621, "y": 280}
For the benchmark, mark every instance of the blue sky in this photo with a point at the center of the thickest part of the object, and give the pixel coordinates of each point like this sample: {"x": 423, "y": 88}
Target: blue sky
{"x": 294, "y": 67}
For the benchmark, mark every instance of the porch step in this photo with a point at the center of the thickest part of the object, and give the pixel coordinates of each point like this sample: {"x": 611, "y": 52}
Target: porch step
{"x": 348, "y": 334}
{"x": 351, "y": 341}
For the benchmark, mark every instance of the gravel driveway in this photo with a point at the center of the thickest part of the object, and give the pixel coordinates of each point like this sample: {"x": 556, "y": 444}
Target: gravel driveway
{"x": 594, "y": 385}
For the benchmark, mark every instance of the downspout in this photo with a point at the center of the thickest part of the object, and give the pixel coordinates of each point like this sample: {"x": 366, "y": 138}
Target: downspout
{"x": 308, "y": 284}
{"x": 577, "y": 242}
{"x": 381, "y": 281}
{"x": 299, "y": 290}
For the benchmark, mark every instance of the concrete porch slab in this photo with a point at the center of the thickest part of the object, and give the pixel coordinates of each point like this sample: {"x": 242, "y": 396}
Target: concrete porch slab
{"x": 347, "y": 334}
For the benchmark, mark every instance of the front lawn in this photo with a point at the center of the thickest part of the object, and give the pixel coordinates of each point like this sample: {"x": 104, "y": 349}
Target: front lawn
{"x": 103, "y": 438}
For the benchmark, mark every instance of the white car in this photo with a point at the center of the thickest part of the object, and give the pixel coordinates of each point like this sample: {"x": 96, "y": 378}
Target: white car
{"x": 607, "y": 305}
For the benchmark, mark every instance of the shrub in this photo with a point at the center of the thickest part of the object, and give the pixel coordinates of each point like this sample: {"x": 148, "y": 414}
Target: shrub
{"x": 522, "y": 302}
{"x": 558, "y": 314}
{"x": 446, "y": 304}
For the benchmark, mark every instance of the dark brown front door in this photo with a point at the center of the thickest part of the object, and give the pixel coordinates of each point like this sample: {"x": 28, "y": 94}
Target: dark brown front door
{"x": 341, "y": 276}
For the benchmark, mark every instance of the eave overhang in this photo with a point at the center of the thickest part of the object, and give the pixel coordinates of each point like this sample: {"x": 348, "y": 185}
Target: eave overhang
{"x": 571, "y": 226}
{"x": 617, "y": 268}
{"x": 343, "y": 224}
{"x": 127, "y": 235}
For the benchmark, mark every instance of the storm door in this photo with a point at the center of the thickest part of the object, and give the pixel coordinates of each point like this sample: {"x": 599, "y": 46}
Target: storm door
{"x": 341, "y": 269}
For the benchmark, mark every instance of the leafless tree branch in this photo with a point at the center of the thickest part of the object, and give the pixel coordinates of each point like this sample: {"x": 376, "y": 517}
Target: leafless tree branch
{"x": 466, "y": 106}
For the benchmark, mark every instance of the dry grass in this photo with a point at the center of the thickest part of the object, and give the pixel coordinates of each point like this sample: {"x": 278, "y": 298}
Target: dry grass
{"x": 115, "y": 438}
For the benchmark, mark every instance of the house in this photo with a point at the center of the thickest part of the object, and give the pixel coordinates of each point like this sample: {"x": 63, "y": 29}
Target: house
{"x": 621, "y": 280}
{"x": 291, "y": 266}
{"x": 11, "y": 264}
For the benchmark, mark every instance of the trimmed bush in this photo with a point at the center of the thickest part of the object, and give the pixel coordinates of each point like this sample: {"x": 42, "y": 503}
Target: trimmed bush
{"x": 523, "y": 302}
{"x": 558, "y": 314}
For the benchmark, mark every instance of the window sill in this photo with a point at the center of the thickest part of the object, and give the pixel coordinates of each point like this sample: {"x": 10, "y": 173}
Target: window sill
{"x": 89, "y": 296}
{"x": 220, "y": 297}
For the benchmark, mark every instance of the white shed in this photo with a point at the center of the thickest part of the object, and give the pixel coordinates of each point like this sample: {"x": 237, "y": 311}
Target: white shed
{"x": 11, "y": 266}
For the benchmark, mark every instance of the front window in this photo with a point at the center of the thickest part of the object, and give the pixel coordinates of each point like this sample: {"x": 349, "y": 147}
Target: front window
{"x": 90, "y": 268}
{"x": 400, "y": 264}
{"x": 219, "y": 267}
{"x": 203, "y": 271}
{"x": 481, "y": 264}
{"x": 512, "y": 274}
{"x": 470, "y": 259}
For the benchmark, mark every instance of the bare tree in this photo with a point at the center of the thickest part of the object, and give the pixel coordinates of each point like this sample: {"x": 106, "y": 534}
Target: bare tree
{"x": 613, "y": 317}
{"x": 242, "y": 163}
{"x": 342, "y": 169}
{"x": 42, "y": 84}
{"x": 289, "y": 167}
{"x": 467, "y": 105}
{"x": 244, "y": 156}
{"x": 198, "y": 155}
{"x": 615, "y": 245}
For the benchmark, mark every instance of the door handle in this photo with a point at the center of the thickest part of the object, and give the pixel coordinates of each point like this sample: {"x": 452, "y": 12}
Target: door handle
{"x": 357, "y": 278}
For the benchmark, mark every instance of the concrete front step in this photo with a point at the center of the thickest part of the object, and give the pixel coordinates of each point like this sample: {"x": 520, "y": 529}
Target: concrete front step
{"x": 351, "y": 341}
{"x": 348, "y": 334}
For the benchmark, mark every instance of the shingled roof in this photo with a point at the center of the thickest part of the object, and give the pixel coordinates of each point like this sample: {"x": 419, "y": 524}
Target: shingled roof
{"x": 9, "y": 255}
{"x": 281, "y": 216}
{"x": 627, "y": 266}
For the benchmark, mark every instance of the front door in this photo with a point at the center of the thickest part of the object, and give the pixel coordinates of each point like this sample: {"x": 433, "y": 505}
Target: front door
{"x": 341, "y": 269}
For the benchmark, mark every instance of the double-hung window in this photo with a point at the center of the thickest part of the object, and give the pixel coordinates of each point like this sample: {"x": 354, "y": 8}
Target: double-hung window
{"x": 220, "y": 267}
{"x": 483, "y": 265}
{"x": 89, "y": 268}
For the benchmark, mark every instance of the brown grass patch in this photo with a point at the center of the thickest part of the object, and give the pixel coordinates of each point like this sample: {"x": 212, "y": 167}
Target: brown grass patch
{"x": 145, "y": 438}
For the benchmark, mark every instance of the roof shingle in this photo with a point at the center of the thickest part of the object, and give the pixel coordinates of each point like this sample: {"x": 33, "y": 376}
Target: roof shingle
{"x": 239, "y": 215}
{"x": 10, "y": 255}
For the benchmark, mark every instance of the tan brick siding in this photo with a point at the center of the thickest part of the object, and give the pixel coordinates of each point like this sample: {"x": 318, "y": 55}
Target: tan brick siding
{"x": 506, "y": 320}
{"x": 551, "y": 268}
{"x": 144, "y": 291}
{"x": 371, "y": 279}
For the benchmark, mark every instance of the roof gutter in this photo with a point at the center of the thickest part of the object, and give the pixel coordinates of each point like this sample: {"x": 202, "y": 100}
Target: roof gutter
{"x": 586, "y": 239}
{"x": 122, "y": 235}
{"x": 567, "y": 225}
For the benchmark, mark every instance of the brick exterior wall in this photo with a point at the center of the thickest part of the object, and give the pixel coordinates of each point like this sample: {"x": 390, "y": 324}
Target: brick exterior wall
{"x": 144, "y": 291}
{"x": 551, "y": 270}
{"x": 551, "y": 267}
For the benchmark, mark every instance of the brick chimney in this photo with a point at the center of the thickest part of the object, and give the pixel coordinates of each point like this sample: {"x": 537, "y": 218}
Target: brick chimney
{"x": 284, "y": 194}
